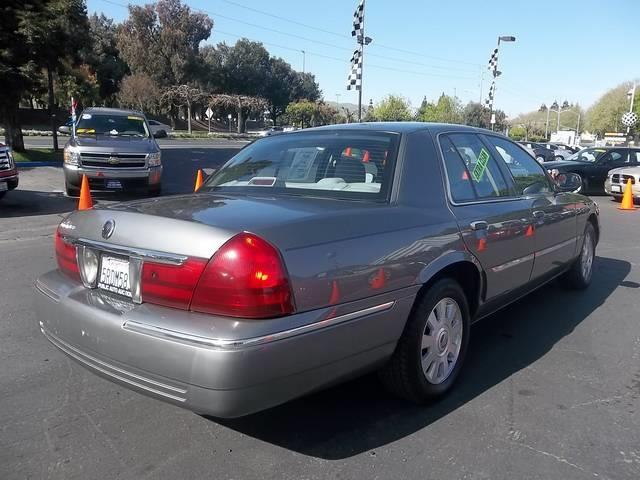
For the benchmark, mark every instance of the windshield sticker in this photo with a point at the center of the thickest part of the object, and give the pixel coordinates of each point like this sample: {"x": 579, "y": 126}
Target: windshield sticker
{"x": 481, "y": 166}
{"x": 86, "y": 116}
{"x": 134, "y": 118}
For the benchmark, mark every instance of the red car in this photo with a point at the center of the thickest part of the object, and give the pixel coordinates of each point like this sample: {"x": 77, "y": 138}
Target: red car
{"x": 8, "y": 170}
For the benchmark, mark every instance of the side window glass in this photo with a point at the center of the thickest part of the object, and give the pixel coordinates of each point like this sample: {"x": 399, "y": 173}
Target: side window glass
{"x": 635, "y": 157}
{"x": 528, "y": 176}
{"x": 458, "y": 177}
{"x": 482, "y": 168}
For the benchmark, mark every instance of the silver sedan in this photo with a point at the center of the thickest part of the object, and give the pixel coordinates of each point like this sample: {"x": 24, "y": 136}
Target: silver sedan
{"x": 313, "y": 257}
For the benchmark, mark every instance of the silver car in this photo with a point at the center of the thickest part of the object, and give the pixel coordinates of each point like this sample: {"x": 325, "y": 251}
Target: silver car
{"x": 313, "y": 257}
{"x": 115, "y": 149}
{"x": 617, "y": 180}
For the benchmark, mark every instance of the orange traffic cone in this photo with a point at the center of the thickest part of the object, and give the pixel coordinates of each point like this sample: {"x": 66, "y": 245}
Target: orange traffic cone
{"x": 530, "y": 231}
{"x": 85, "y": 202}
{"x": 627, "y": 198}
{"x": 198, "y": 180}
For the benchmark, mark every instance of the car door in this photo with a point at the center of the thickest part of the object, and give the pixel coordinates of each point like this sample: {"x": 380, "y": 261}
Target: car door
{"x": 554, "y": 214}
{"x": 597, "y": 174}
{"x": 493, "y": 221}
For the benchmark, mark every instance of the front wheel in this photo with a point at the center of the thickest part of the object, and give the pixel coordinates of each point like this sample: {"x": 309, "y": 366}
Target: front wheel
{"x": 581, "y": 272}
{"x": 432, "y": 348}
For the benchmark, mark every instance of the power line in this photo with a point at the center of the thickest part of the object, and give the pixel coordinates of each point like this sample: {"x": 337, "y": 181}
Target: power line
{"x": 295, "y": 22}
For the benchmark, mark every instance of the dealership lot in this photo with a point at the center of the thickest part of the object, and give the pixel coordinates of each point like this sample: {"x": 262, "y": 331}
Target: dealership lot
{"x": 551, "y": 389}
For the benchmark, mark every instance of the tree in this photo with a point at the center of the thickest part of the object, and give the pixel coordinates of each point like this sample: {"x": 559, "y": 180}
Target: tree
{"x": 56, "y": 34}
{"x": 243, "y": 105}
{"x": 16, "y": 64}
{"x": 182, "y": 96}
{"x": 606, "y": 113}
{"x": 104, "y": 57}
{"x": 162, "y": 40}
{"x": 308, "y": 88}
{"x": 138, "y": 91}
{"x": 282, "y": 85}
{"x": 476, "y": 115}
{"x": 446, "y": 110}
{"x": 306, "y": 113}
{"x": 393, "y": 108}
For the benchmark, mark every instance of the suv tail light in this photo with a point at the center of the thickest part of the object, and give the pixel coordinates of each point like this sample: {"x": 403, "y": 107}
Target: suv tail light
{"x": 66, "y": 257}
{"x": 245, "y": 278}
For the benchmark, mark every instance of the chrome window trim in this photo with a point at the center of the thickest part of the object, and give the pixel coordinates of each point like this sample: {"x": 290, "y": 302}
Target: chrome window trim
{"x": 226, "y": 344}
{"x": 132, "y": 252}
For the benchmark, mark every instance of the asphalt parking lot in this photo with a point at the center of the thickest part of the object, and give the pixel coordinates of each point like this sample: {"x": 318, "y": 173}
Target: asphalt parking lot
{"x": 551, "y": 388}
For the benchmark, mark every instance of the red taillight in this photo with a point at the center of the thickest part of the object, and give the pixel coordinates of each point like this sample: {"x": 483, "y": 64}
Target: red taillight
{"x": 171, "y": 285}
{"x": 245, "y": 278}
{"x": 66, "y": 257}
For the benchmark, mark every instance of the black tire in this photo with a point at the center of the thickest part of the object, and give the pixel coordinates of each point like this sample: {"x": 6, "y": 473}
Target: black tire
{"x": 579, "y": 278}
{"x": 403, "y": 375}
{"x": 154, "y": 191}
{"x": 71, "y": 191}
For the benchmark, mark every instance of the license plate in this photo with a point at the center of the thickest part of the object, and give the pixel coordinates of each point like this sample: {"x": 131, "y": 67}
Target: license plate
{"x": 3, "y": 187}
{"x": 114, "y": 276}
{"x": 616, "y": 188}
{"x": 115, "y": 184}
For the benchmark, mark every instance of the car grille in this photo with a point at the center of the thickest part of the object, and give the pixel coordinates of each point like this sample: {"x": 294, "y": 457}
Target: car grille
{"x": 5, "y": 163}
{"x": 617, "y": 178}
{"x": 113, "y": 160}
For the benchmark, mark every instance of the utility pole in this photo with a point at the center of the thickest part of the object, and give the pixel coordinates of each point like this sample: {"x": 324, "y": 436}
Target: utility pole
{"x": 304, "y": 59}
{"x": 546, "y": 127}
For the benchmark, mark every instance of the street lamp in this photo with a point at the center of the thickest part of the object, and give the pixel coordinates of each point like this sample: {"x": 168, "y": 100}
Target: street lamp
{"x": 496, "y": 74}
{"x": 304, "y": 58}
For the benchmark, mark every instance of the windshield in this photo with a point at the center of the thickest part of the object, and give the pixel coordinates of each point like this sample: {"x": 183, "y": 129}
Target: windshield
{"x": 589, "y": 155}
{"x": 346, "y": 164}
{"x": 114, "y": 125}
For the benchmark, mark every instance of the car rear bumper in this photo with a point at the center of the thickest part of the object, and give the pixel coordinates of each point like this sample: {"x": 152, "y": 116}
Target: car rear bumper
{"x": 608, "y": 188}
{"x": 97, "y": 176}
{"x": 223, "y": 377}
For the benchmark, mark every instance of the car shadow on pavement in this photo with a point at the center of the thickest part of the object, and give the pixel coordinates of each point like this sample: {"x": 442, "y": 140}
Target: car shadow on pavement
{"x": 360, "y": 416}
{"x": 26, "y": 203}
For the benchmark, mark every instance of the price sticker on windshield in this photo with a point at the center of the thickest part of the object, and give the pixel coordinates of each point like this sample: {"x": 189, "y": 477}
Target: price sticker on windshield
{"x": 481, "y": 165}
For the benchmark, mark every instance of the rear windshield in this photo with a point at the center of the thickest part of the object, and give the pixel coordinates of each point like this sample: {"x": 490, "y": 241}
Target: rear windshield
{"x": 114, "y": 125}
{"x": 344, "y": 164}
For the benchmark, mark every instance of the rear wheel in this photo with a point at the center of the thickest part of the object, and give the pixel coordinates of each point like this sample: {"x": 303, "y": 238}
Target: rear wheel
{"x": 580, "y": 274}
{"x": 432, "y": 348}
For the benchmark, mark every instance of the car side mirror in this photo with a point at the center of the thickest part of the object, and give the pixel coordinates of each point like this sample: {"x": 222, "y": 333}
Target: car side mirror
{"x": 568, "y": 182}
{"x": 64, "y": 129}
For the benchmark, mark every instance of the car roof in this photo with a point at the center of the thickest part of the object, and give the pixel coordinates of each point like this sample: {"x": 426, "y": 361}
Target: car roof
{"x": 402, "y": 127}
{"x": 111, "y": 111}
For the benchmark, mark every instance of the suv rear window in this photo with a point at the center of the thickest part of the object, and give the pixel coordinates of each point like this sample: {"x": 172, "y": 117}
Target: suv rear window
{"x": 339, "y": 164}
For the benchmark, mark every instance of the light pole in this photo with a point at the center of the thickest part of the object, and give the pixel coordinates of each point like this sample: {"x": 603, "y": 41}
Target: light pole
{"x": 631, "y": 94}
{"x": 496, "y": 74}
{"x": 363, "y": 41}
{"x": 304, "y": 59}
{"x": 338, "y": 102}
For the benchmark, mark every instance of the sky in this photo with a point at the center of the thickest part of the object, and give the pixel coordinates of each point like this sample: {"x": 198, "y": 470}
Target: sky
{"x": 571, "y": 50}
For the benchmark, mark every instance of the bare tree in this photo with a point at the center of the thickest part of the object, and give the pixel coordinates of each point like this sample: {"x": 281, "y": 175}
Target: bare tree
{"x": 182, "y": 96}
{"x": 243, "y": 105}
{"x": 138, "y": 91}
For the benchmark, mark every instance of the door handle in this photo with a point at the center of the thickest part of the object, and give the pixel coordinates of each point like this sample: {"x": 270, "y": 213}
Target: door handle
{"x": 539, "y": 214}
{"x": 479, "y": 225}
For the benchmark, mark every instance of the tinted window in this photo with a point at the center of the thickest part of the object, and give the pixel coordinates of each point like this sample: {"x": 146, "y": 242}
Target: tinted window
{"x": 613, "y": 157}
{"x": 634, "y": 156}
{"x": 527, "y": 173}
{"x": 483, "y": 170}
{"x": 349, "y": 164}
{"x": 457, "y": 174}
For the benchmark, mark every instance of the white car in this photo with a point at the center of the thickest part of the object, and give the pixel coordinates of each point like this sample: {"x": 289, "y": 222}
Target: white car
{"x": 158, "y": 128}
{"x": 617, "y": 180}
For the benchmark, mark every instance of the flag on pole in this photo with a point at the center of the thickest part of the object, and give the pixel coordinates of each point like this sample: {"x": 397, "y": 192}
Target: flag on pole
{"x": 358, "y": 20}
{"x": 488, "y": 103}
{"x": 493, "y": 62}
{"x": 355, "y": 77}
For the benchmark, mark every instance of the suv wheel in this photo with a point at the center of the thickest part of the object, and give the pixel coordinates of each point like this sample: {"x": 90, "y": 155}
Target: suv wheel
{"x": 581, "y": 272}
{"x": 71, "y": 191}
{"x": 432, "y": 348}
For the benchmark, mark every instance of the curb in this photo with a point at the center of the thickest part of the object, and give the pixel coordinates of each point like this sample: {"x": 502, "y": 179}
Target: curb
{"x": 37, "y": 164}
